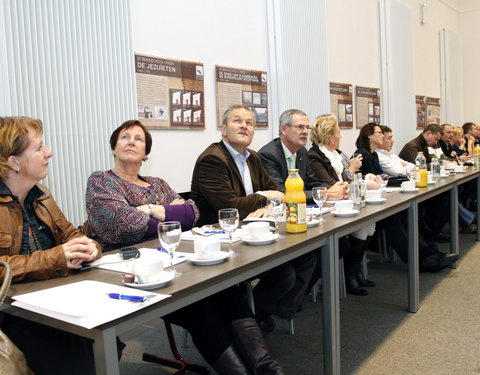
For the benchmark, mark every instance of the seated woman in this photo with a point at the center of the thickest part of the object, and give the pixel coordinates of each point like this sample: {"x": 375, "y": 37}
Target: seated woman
{"x": 38, "y": 243}
{"x": 458, "y": 142}
{"x": 326, "y": 163}
{"x": 431, "y": 259}
{"x": 125, "y": 208}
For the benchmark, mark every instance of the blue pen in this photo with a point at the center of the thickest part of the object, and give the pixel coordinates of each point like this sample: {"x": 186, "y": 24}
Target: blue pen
{"x": 127, "y": 298}
{"x": 161, "y": 249}
{"x": 214, "y": 232}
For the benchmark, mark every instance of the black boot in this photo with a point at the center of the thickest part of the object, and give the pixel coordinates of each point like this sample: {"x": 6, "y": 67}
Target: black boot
{"x": 230, "y": 363}
{"x": 352, "y": 285}
{"x": 362, "y": 281}
{"x": 251, "y": 345}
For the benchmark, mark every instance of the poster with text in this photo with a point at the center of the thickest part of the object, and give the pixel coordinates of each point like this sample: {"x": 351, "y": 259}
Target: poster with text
{"x": 170, "y": 93}
{"x": 421, "y": 105}
{"x": 341, "y": 103}
{"x": 433, "y": 110}
{"x": 245, "y": 87}
{"x": 367, "y": 106}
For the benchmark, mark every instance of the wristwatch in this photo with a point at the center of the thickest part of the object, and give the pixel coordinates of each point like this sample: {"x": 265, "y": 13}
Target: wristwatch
{"x": 152, "y": 208}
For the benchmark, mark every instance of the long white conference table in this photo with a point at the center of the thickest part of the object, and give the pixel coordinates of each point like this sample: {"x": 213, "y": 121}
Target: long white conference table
{"x": 199, "y": 282}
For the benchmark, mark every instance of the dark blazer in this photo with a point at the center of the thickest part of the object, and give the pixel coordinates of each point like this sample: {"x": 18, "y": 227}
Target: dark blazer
{"x": 411, "y": 149}
{"x": 446, "y": 148}
{"x": 217, "y": 183}
{"x": 273, "y": 159}
{"x": 370, "y": 163}
{"x": 322, "y": 167}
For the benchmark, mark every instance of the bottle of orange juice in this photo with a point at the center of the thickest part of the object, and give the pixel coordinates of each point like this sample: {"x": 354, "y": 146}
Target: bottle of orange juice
{"x": 476, "y": 156}
{"x": 295, "y": 202}
{"x": 421, "y": 175}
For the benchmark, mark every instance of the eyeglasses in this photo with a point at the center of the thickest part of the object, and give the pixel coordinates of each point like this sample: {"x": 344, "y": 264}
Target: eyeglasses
{"x": 301, "y": 127}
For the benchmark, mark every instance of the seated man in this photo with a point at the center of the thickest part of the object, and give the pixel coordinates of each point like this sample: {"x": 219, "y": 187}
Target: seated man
{"x": 228, "y": 174}
{"x": 435, "y": 214}
{"x": 288, "y": 152}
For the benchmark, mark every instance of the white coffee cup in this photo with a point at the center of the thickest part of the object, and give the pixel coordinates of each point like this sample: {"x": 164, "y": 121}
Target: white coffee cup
{"x": 430, "y": 178}
{"x": 459, "y": 168}
{"x": 374, "y": 195}
{"x": 344, "y": 206}
{"x": 205, "y": 248}
{"x": 148, "y": 270}
{"x": 258, "y": 230}
{"x": 408, "y": 185}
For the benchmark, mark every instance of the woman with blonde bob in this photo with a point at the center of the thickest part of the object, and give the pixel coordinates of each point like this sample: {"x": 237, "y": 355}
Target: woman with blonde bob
{"x": 327, "y": 163}
{"x": 38, "y": 243}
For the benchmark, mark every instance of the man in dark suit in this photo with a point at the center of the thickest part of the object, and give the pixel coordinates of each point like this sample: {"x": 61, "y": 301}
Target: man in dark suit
{"x": 444, "y": 142}
{"x": 289, "y": 152}
{"x": 228, "y": 174}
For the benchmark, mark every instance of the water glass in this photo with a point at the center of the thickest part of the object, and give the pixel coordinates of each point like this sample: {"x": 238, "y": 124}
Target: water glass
{"x": 319, "y": 195}
{"x": 276, "y": 209}
{"x": 228, "y": 219}
{"x": 169, "y": 233}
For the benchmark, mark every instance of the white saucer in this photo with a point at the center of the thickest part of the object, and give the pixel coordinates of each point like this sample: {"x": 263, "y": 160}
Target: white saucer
{"x": 459, "y": 171}
{"x": 264, "y": 241}
{"x": 346, "y": 213}
{"x": 410, "y": 191}
{"x": 431, "y": 182}
{"x": 164, "y": 280}
{"x": 313, "y": 223}
{"x": 376, "y": 201}
{"x": 444, "y": 175}
{"x": 217, "y": 257}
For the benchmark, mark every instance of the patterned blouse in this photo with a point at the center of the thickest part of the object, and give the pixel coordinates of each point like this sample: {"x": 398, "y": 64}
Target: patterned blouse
{"x": 112, "y": 214}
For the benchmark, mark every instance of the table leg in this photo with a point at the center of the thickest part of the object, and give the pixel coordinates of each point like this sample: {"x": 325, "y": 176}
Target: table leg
{"x": 454, "y": 225}
{"x": 331, "y": 307}
{"x": 413, "y": 263}
{"x": 105, "y": 352}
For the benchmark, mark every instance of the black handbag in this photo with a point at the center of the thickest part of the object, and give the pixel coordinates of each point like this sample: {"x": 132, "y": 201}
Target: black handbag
{"x": 397, "y": 181}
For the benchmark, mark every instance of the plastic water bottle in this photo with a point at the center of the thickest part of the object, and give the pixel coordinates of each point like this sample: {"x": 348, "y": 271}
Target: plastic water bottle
{"x": 363, "y": 188}
{"x": 355, "y": 194}
{"x": 435, "y": 169}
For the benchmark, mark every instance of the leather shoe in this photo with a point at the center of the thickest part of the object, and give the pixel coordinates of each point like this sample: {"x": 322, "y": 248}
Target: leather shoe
{"x": 441, "y": 238}
{"x": 352, "y": 284}
{"x": 437, "y": 261}
{"x": 362, "y": 281}
{"x": 267, "y": 325}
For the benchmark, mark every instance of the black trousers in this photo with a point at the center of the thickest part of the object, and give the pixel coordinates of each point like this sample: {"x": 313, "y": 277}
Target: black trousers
{"x": 281, "y": 289}
{"x": 209, "y": 321}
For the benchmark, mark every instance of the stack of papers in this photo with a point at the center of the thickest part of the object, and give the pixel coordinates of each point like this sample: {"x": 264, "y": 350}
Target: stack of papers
{"x": 114, "y": 262}
{"x": 84, "y": 303}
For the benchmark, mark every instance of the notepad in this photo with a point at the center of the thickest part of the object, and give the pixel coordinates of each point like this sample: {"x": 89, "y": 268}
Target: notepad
{"x": 84, "y": 303}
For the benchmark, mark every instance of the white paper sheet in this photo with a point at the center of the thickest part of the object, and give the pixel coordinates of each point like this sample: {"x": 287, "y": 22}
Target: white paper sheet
{"x": 114, "y": 262}
{"x": 84, "y": 303}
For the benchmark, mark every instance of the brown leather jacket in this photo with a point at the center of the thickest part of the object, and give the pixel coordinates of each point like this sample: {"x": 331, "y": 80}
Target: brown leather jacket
{"x": 43, "y": 264}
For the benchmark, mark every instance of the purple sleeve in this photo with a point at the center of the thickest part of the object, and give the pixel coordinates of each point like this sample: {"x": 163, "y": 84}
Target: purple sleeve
{"x": 152, "y": 228}
{"x": 182, "y": 212}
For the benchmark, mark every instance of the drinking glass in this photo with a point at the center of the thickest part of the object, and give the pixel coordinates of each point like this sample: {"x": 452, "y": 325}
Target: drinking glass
{"x": 169, "y": 235}
{"x": 228, "y": 219}
{"x": 411, "y": 175}
{"x": 319, "y": 195}
{"x": 276, "y": 208}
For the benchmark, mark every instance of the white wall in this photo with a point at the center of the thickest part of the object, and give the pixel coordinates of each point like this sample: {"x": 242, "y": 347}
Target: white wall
{"x": 470, "y": 33}
{"x": 228, "y": 33}
{"x": 353, "y": 37}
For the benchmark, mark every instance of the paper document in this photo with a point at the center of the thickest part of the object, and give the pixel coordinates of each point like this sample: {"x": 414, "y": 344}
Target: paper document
{"x": 84, "y": 303}
{"x": 114, "y": 262}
